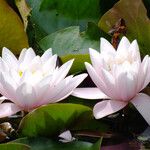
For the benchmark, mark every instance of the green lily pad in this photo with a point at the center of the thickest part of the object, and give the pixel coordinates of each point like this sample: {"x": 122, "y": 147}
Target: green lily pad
{"x": 52, "y": 119}
{"x": 41, "y": 143}
{"x": 135, "y": 15}
{"x": 70, "y": 43}
{"x": 14, "y": 146}
{"x": 12, "y": 34}
{"x": 74, "y": 9}
{"x": 49, "y": 16}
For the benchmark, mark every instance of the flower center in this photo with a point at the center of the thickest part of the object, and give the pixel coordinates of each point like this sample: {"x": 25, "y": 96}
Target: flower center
{"x": 20, "y": 73}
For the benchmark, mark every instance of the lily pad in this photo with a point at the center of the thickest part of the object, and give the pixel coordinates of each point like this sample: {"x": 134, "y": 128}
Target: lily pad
{"x": 14, "y": 146}
{"x": 135, "y": 15}
{"x": 41, "y": 143}
{"x": 52, "y": 119}
{"x": 70, "y": 43}
{"x": 49, "y": 16}
{"x": 12, "y": 34}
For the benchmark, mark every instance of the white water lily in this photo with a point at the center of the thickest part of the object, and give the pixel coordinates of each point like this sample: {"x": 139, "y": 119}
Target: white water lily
{"x": 31, "y": 81}
{"x": 119, "y": 76}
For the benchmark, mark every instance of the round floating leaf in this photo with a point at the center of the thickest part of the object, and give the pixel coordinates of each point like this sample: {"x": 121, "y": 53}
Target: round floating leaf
{"x": 62, "y": 14}
{"x": 69, "y": 43}
{"x": 74, "y": 9}
{"x": 14, "y": 146}
{"x": 49, "y": 16}
{"x": 135, "y": 15}
{"x": 52, "y": 119}
{"x": 47, "y": 144}
{"x": 12, "y": 34}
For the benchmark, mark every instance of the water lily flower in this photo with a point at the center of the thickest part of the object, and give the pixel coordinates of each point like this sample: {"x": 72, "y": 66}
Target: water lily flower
{"x": 119, "y": 76}
{"x": 31, "y": 81}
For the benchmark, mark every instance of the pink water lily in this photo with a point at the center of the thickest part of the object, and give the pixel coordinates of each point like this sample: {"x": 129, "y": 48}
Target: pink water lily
{"x": 119, "y": 76}
{"x": 31, "y": 81}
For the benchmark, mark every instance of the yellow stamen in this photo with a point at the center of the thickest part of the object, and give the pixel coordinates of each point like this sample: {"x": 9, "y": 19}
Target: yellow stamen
{"x": 20, "y": 73}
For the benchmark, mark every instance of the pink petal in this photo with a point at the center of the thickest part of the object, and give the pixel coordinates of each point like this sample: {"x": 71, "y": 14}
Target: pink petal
{"x": 143, "y": 76}
{"x": 27, "y": 56}
{"x": 9, "y": 58}
{"x": 142, "y": 104}
{"x": 63, "y": 71}
{"x": 134, "y": 50}
{"x": 50, "y": 64}
{"x": 106, "y": 47}
{"x": 8, "y": 86}
{"x": 35, "y": 64}
{"x": 109, "y": 80}
{"x": 123, "y": 45}
{"x": 66, "y": 137}
{"x": 54, "y": 91}
{"x": 69, "y": 87}
{"x": 26, "y": 96}
{"x": 47, "y": 54}
{"x": 97, "y": 60}
{"x": 41, "y": 89}
{"x": 107, "y": 107}
{"x": 8, "y": 109}
{"x": 2, "y": 98}
{"x": 126, "y": 84}
{"x": 3, "y": 65}
{"x": 22, "y": 55}
{"x": 95, "y": 78}
{"x": 89, "y": 93}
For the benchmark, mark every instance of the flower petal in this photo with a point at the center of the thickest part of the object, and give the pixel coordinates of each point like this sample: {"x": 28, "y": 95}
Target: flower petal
{"x": 106, "y": 47}
{"x": 35, "y": 64}
{"x": 142, "y": 104}
{"x": 9, "y": 58}
{"x": 8, "y": 109}
{"x": 134, "y": 51}
{"x": 2, "y": 98}
{"x": 26, "y": 96}
{"x": 126, "y": 84}
{"x": 107, "y": 107}
{"x": 63, "y": 71}
{"x": 66, "y": 137}
{"x": 26, "y": 59}
{"x": 109, "y": 80}
{"x": 123, "y": 46}
{"x": 22, "y": 55}
{"x": 143, "y": 75}
{"x": 54, "y": 90}
{"x": 47, "y": 54}
{"x": 97, "y": 60}
{"x": 69, "y": 87}
{"x": 89, "y": 93}
{"x": 95, "y": 78}
{"x": 8, "y": 86}
{"x": 50, "y": 65}
{"x": 42, "y": 88}
{"x": 3, "y": 65}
